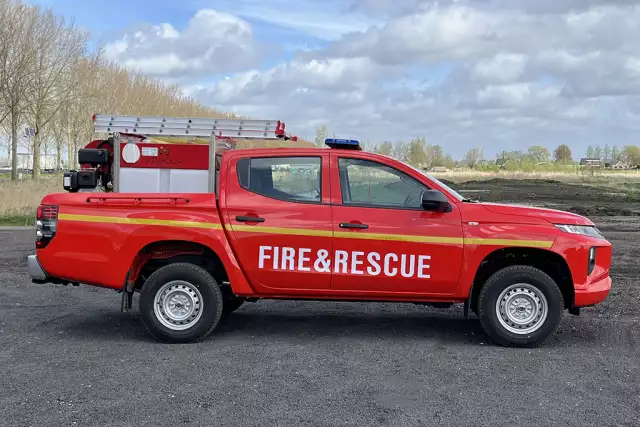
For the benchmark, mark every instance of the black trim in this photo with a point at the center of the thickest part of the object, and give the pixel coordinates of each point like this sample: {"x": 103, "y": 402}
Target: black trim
{"x": 353, "y": 225}
{"x": 467, "y": 303}
{"x": 382, "y": 207}
{"x": 249, "y": 218}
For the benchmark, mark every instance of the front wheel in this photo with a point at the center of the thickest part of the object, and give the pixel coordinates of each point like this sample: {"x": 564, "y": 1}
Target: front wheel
{"x": 520, "y": 306}
{"x": 180, "y": 303}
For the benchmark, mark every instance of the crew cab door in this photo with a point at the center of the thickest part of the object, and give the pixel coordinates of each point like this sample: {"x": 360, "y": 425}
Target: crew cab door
{"x": 384, "y": 241}
{"x": 278, "y": 217}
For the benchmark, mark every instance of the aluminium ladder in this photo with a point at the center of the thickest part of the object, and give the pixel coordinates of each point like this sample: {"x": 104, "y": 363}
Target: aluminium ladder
{"x": 213, "y": 129}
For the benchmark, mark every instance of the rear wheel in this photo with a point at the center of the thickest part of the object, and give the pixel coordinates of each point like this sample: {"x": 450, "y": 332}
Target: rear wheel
{"x": 180, "y": 303}
{"x": 520, "y": 306}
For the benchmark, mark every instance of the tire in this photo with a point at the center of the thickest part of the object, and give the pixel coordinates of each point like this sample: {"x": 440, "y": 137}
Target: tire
{"x": 536, "y": 301}
{"x": 231, "y": 305}
{"x": 180, "y": 303}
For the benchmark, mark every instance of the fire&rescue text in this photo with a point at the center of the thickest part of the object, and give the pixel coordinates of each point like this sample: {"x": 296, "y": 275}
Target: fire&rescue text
{"x": 344, "y": 262}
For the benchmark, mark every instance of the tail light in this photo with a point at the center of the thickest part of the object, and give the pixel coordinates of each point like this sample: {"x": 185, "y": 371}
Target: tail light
{"x": 46, "y": 224}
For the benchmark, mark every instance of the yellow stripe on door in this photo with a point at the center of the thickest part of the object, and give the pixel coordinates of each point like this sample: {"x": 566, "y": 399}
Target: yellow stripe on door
{"x": 310, "y": 233}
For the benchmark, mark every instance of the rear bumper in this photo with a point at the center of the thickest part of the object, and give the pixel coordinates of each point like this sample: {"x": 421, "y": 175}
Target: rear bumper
{"x": 35, "y": 270}
{"x": 594, "y": 294}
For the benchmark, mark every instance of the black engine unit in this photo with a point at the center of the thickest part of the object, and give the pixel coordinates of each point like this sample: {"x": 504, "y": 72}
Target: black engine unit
{"x": 75, "y": 180}
{"x": 93, "y": 156}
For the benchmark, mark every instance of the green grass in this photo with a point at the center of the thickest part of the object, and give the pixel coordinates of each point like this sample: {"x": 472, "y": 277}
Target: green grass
{"x": 19, "y": 199}
{"x": 17, "y": 220}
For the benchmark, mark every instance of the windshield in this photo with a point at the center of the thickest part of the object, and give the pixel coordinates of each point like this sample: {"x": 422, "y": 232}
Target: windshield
{"x": 450, "y": 190}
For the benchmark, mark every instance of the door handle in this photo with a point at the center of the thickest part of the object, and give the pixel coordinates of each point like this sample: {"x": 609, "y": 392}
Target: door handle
{"x": 249, "y": 219}
{"x": 353, "y": 225}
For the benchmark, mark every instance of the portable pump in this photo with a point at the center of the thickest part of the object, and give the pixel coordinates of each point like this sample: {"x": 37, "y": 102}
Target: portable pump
{"x": 95, "y": 164}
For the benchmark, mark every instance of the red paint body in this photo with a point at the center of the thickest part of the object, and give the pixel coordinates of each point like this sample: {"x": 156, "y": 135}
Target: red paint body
{"x": 474, "y": 230}
{"x": 175, "y": 156}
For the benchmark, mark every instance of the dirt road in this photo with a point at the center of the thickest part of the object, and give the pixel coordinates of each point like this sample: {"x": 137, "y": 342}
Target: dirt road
{"x": 70, "y": 358}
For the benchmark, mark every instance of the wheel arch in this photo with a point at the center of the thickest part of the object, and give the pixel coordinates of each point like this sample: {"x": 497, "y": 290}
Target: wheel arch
{"x": 545, "y": 260}
{"x": 159, "y": 253}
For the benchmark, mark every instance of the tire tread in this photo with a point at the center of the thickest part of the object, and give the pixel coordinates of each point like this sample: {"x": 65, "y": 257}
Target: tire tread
{"x": 537, "y": 275}
{"x": 202, "y": 274}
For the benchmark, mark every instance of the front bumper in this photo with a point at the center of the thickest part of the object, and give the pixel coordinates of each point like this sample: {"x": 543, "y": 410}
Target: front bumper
{"x": 594, "y": 294}
{"x": 35, "y": 270}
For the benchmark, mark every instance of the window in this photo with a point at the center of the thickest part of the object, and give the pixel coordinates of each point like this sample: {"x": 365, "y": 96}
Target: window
{"x": 366, "y": 183}
{"x": 294, "y": 179}
{"x": 450, "y": 190}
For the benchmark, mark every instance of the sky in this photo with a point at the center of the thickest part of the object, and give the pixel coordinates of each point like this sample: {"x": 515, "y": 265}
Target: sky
{"x": 496, "y": 74}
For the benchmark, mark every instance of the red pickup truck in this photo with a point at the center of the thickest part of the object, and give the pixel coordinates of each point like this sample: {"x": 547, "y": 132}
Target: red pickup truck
{"x": 323, "y": 224}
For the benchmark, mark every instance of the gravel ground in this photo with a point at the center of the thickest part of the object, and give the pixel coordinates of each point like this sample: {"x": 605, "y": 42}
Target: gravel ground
{"x": 70, "y": 358}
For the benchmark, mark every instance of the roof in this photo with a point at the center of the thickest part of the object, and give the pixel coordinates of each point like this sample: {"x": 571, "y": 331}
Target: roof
{"x": 586, "y": 160}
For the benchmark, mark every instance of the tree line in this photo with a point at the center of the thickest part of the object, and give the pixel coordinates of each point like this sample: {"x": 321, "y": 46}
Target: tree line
{"x": 416, "y": 153}
{"x": 51, "y": 84}
{"x": 563, "y": 156}
{"x": 419, "y": 153}
{"x": 629, "y": 154}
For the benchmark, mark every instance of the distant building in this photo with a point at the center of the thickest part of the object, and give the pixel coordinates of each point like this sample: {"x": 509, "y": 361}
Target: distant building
{"x": 25, "y": 162}
{"x": 590, "y": 161}
{"x": 615, "y": 164}
{"x": 48, "y": 163}
{"x": 621, "y": 165}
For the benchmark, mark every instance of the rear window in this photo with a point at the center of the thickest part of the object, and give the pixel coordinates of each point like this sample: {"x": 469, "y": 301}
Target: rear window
{"x": 294, "y": 179}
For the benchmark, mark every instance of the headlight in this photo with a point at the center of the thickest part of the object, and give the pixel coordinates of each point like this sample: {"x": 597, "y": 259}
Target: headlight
{"x": 585, "y": 230}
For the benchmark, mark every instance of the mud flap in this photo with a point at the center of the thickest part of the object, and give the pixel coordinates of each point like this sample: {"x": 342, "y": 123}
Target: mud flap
{"x": 126, "y": 303}
{"x": 467, "y": 305}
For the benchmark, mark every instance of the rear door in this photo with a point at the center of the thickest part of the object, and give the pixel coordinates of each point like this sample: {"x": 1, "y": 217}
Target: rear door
{"x": 384, "y": 241}
{"x": 277, "y": 207}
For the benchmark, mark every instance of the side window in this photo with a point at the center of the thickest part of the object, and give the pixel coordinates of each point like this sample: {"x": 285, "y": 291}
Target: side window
{"x": 367, "y": 183}
{"x": 294, "y": 179}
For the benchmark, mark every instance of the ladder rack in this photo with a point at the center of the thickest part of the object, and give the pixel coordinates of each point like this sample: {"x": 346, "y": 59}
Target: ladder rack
{"x": 186, "y": 126}
{"x": 213, "y": 129}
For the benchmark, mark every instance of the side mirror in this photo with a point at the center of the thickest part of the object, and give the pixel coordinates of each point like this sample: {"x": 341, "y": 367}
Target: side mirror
{"x": 434, "y": 200}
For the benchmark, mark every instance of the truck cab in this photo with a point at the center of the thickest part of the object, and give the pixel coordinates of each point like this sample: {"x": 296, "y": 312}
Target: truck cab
{"x": 371, "y": 226}
{"x": 323, "y": 224}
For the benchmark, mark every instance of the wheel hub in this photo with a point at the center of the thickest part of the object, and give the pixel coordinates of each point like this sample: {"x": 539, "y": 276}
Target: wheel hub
{"x": 522, "y": 308}
{"x": 178, "y": 305}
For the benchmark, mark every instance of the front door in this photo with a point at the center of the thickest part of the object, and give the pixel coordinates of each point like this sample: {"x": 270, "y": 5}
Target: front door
{"x": 280, "y": 218}
{"x": 384, "y": 242}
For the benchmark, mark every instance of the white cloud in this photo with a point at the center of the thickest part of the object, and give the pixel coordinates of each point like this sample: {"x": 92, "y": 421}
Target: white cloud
{"x": 434, "y": 33}
{"x": 462, "y": 32}
{"x": 212, "y": 42}
{"x": 500, "y": 68}
{"x": 342, "y": 79}
{"x": 517, "y": 95}
{"x": 326, "y": 19}
{"x": 561, "y": 71}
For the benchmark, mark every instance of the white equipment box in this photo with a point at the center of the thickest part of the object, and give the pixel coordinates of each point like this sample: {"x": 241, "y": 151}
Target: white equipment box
{"x": 175, "y": 155}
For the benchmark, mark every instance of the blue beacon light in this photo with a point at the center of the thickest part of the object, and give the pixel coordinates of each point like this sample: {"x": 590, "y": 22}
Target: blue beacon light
{"x": 349, "y": 144}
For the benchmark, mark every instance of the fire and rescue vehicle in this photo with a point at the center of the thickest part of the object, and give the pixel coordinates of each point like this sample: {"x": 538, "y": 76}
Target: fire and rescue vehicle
{"x": 199, "y": 228}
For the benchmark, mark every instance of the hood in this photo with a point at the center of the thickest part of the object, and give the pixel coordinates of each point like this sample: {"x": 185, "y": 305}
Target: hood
{"x": 551, "y": 215}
